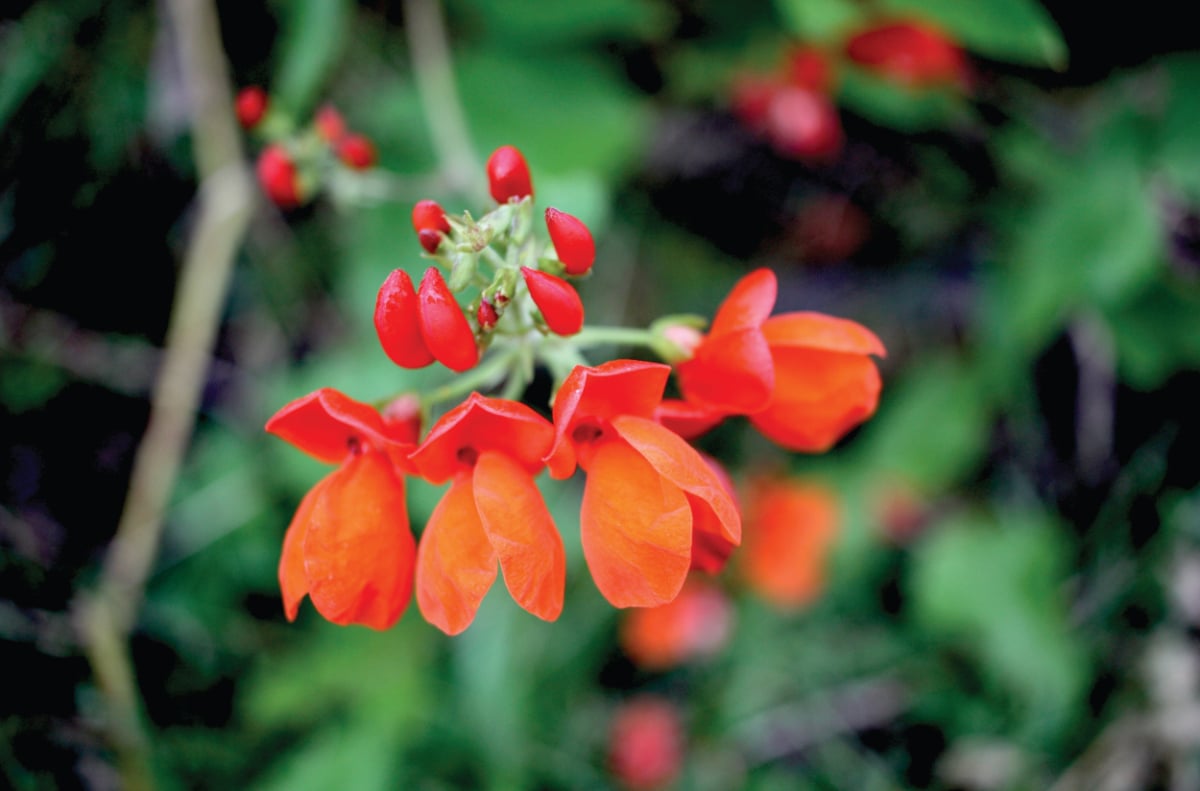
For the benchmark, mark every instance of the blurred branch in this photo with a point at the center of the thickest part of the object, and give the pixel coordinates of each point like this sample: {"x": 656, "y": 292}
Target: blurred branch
{"x": 223, "y": 212}
{"x": 442, "y": 108}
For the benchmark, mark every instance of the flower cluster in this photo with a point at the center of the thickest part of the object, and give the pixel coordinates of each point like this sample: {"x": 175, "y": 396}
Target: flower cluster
{"x": 294, "y": 164}
{"x": 794, "y": 106}
{"x": 496, "y": 301}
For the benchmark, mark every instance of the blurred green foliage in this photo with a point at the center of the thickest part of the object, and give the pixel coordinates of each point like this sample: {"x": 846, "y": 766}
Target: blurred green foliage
{"x": 1031, "y": 260}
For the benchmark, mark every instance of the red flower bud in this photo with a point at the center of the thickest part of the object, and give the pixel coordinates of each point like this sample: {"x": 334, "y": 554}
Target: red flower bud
{"x": 356, "y": 152}
{"x": 508, "y": 175}
{"x": 808, "y": 67}
{"x": 557, "y": 299}
{"x": 443, "y": 326}
{"x": 277, "y": 175}
{"x": 486, "y": 315}
{"x": 909, "y": 52}
{"x": 572, "y": 241}
{"x": 429, "y": 215}
{"x": 804, "y": 124}
{"x": 430, "y": 239}
{"x": 250, "y": 106}
{"x": 397, "y": 322}
{"x": 330, "y": 124}
{"x": 646, "y": 744}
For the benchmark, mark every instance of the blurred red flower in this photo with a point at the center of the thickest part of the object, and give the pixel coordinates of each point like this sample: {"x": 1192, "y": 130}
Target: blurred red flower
{"x": 790, "y": 528}
{"x": 695, "y": 625}
{"x": 646, "y": 742}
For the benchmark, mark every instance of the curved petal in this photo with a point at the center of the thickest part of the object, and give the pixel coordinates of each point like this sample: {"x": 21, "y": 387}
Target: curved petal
{"x": 325, "y": 423}
{"x": 482, "y": 424}
{"x": 614, "y": 388}
{"x": 358, "y": 552}
{"x": 819, "y": 396}
{"x": 818, "y": 331}
{"x": 687, "y": 419}
{"x": 522, "y": 533}
{"x": 678, "y": 462}
{"x": 456, "y": 564}
{"x": 293, "y": 583}
{"x": 636, "y": 528}
{"x": 748, "y": 304}
{"x": 730, "y": 372}
{"x": 447, "y": 333}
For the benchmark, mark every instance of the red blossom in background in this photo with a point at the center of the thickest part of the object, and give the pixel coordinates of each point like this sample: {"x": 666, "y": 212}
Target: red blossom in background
{"x": 909, "y": 52}
{"x": 250, "y": 106}
{"x": 695, "y": 625}
{"x": 790, "y": 528}
{"x": 647, "y": 490}
{"x": 493, "y": 513}
{"x": 277, "y": 174}
{"x": 646, "y": 743}
{"x": 349, "y": 547}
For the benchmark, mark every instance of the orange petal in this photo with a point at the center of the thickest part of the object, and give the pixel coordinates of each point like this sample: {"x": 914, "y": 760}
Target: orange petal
{"x": 681, "y": 464}
{"x": 731, "y": 372}
{"x": 636, "y": 528}
{"x": 749, "y": 303}
{"x": 293, "y": 583}
{"x": 790, "y": 530}
{"x": 819, "y": 396}
{"x": 696, "y": 623}
{"x": 482, "y": 424}
{"x": 456, "y": 564}
{"x": 522, "y": 534}
{"x": 687, "y": 419}
{"x": 358, "y": 552}
{"x": 617, "y": 387}
{"x": 818, "y": 331}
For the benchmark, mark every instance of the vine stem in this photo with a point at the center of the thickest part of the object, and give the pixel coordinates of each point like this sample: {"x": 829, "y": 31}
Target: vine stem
{"x": 442, "y": 109}
{"x": 105, "y": 615}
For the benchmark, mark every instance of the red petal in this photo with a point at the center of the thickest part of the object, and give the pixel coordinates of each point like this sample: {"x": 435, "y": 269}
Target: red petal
{"x": 636, "y": 528}
{"x": 293, "y": 583}
{"x": 429, "y": 215}
{"x": 696, "y": 624}
{"x": 359, "y": 551}
{"x": 749, "y": 303}
{"x": 443, "y": 325}
{"x": 681, "y": 464}
{"x": 508, "y": 175}
{"x": 819, "y": 396}
{"x": 522, "y": 533}
{"x": 617, "y": 387}
{"x": 398, "y": 322}
{"x": 482, "y": 424}
{"x": 325, "y": 423}
{"x": 731, "y": 372}
{"x": 456, "y": 564}
{"x": 687, "y": 419}
{"x": 818, "y": 331}
{"x": 572, "y": 241}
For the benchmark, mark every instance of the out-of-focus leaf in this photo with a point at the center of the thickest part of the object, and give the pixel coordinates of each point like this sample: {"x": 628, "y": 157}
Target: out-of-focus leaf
{"x": 996, "y": 590}
{"x": 565, "y": 24}
{"x": 900, "y": 107}
{"x": 341, "y": 754}
{"x": 30, "y": 46}
{"x": 1019, "y": 31}
{"x": 1157, "y": 335}
{"x": 565, "y": 112}
{"x": 819, "y": 20}
{"x": 28, "y": 384}
{"x": 1180, "y": 145}
{"x": 933, "y": 426}
{"x": 314, "y": 33}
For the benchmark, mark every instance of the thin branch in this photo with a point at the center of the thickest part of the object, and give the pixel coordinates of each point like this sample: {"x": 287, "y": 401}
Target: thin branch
{"x": 106, "y": 616}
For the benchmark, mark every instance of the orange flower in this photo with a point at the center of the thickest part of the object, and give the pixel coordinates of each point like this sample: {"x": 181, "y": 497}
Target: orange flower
{"x": 804, "y": 379}
{"x": 349, "y": 547}
{"x": 647, "y": 489}
{"x": 490, "y": 449}
{"x": 695, "y": 624}
{"x": 790, "y": 529}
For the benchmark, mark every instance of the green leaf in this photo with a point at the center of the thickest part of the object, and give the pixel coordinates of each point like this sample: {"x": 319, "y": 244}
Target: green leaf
{"x": 355, "y": 755}
{"x": 30, "y": 47}
{"x": 819, "y": 20}
{"x": 1018, "y": 31}
{"x": 995, "y": 590}
{"x": 900, "y": 107}
{"x": 314, "y": 34}
{"x": 1157, "y": 335}
{"x": 562, "y": 24}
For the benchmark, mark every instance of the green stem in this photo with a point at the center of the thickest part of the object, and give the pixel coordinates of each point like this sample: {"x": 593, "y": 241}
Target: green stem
{"x": 482, "y": 376}
{"x": 614, "y": 336}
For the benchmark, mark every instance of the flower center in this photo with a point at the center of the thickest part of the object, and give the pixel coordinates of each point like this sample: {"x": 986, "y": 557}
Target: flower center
{"x": 587, "y": 433}
{"x": 467, "y": 456}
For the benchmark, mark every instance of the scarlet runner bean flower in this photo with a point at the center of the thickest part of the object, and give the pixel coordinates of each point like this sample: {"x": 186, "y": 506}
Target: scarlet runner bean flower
{"x": 572, "y": 241}
{"x": 804, "y": 379}
{"x": 349, "y": 547}
{"x": 647, "y": 490}
{"x": 444, "y": 328}
{"x": 398, "y": 322}
{"x": 790, "y": 529}
{"x": 250, "y": 106}
{"x": 557, "y": 299}
{"x": 910, "y": 52}
{"x": 356, "y": 152}
{"x": 646, "y": 744}
{"x": 695, "y": 625}
{"x": 429, "y": 221}
{"x": 489, "y": 449}
{"x": 278, "y": 177}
